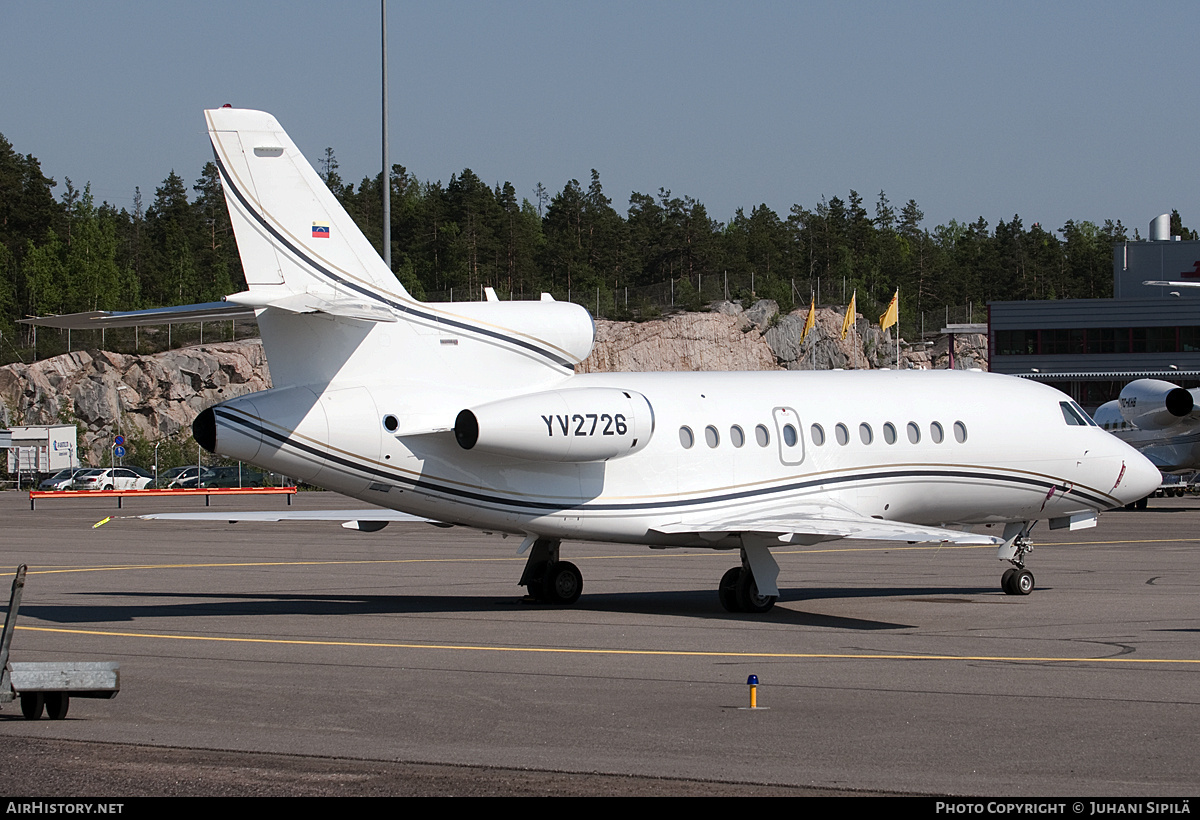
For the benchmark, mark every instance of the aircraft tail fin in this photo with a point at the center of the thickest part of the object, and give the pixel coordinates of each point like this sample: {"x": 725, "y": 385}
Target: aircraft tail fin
{"x": 293, "y": 235}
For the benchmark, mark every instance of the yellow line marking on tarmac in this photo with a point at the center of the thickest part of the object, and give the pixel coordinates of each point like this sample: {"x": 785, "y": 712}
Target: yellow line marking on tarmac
{"x": 570, "y": 651}
{"x": 655, "y": 554}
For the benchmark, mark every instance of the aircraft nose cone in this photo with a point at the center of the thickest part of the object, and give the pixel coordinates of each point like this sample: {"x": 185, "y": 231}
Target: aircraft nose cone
{"x": 1140, "y": 480}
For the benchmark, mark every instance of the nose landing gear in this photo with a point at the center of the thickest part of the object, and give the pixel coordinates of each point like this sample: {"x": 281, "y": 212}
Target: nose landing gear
{"x": 1016, "y": 580}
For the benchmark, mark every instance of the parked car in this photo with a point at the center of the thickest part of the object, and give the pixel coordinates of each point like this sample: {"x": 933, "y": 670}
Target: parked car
{"x": 232, "y": 477}
{"x": 112, "y": 478}
{"x": 182, "y": 477}
{"x": 61, "y": 480}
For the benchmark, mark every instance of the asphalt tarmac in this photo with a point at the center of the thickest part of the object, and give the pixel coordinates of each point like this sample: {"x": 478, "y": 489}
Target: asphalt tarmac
{"x": 321, "y": 653}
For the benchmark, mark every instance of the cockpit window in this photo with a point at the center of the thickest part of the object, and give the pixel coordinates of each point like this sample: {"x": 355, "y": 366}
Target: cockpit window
{"x": 1090, "y": 421}
{"x": 1073, "y": 417}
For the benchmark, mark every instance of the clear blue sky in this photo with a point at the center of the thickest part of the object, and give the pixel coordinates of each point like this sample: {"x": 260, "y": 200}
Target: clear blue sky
{"x": 1053, "y": 110}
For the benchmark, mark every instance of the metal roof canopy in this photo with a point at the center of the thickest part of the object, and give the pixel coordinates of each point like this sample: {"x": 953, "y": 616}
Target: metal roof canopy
{"x": 1106, "y": 375}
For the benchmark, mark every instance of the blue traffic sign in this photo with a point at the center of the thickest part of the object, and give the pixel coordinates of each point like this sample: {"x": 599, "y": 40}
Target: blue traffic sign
{"x": 119, "y": 451}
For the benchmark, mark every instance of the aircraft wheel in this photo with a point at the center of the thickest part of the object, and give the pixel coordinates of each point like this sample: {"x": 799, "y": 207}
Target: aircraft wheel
{"x": 1006, "y": 580}
{"x": 1144, "y": 503}
{"x": 727, "y": 590}
{"x": 562, "y": 584}
{"x": 1021, "y": 583}
{"x": 748, "y": 598}
{"x": 32, "y": 704}
{"x": 57, "y": 704}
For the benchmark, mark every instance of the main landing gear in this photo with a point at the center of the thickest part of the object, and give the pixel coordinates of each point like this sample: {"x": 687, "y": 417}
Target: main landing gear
{"x": 549, "y": 580}
{"x": 1016, "y": 580}
{"x": 738, "y": 591}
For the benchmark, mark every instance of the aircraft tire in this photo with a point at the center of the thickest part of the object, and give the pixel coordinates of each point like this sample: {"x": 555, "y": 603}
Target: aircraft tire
{"x": 748, "y": 598}
{"x": 57, "y": 704}
{"x": 32, "y": 704}
{"x": 562, "y": 584}
{"x": 1144, "y": 503}
{"x": 727, "y": 590}
{"x": 1022, "y": 582}
{"x": 1006, "y": 581}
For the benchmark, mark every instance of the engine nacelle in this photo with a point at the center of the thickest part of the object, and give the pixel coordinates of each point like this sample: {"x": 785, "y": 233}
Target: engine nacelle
{"x": 1151, "y": 404}
{"x": 584, "y": 424}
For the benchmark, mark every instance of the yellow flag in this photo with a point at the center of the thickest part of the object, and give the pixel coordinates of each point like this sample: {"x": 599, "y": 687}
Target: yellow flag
{"x": 848, "y": 322}
{"x": 889, "y": 316}
{"x": 811, "y": 322}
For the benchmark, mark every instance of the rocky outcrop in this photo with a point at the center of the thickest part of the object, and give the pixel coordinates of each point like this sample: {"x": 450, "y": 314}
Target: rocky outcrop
{"x": 761, "y": 338}
{"x": 147, "y": 397}
{"x": 684, "y": 341}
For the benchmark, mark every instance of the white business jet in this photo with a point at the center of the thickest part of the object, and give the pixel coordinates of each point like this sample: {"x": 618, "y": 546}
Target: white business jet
{"x": 471, "y": 414}
{"x": 1160, "y": 419}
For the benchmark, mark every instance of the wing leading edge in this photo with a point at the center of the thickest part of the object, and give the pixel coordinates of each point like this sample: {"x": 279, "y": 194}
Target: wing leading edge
{"x": 823, "y": 523}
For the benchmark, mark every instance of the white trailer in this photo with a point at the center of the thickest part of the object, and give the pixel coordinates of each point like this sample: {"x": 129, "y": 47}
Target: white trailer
{"x": 42, "y": 450}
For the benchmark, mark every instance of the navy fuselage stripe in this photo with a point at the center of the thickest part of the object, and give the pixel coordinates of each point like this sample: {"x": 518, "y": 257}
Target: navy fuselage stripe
{"x": 400, "y": 306}
{"x": 424, "y": 484}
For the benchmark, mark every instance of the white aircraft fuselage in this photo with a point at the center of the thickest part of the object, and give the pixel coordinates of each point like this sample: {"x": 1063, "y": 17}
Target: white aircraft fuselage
{"x": 867, "y": 459}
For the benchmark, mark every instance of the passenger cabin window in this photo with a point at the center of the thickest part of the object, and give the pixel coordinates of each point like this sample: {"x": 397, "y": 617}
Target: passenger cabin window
{"x": 914, "y": 432}
{"x": 737, "y": 436}
{"x": 711, "y": 437}
{"x": 686, "y": 438}
{"x": 864, "y": 433}
{"x": 841, "y": 434}
{"x": 936, "y": 433}
{"x": 960, "y": 432}
{"x": 762, "y": 435}
{"x": 889, "y": 433}
{"x": 818, "y": 434}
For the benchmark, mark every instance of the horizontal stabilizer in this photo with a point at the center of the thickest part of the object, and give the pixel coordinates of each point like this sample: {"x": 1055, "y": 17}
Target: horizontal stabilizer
{"x": 345, "y": 308}
{"x": 101, "y": 319}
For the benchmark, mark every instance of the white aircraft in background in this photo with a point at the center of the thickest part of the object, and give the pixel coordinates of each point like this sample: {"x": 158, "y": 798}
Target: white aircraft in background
{"x": 1160, "y": 419}
{"x": 470, "y": 413}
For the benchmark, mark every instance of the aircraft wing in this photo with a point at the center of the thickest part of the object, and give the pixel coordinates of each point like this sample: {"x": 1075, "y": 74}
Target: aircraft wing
{"x": 364, "y": 520}
{"x": 822, "y": 522}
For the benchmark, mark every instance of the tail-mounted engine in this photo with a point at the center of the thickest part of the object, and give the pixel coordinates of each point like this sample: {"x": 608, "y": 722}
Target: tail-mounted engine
{"x": 1151, "y": 404}
{"x": 585, "y": 424}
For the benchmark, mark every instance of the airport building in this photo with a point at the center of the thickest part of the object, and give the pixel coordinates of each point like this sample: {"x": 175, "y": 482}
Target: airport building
{"x": 1091, "y": 348}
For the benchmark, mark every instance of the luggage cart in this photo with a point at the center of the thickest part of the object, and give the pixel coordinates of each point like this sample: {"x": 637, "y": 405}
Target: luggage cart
{"x": 49, "y": 687}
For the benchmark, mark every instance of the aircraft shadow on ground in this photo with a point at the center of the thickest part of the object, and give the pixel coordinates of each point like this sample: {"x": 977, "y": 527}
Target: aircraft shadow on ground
{"x": 690, "y": 604}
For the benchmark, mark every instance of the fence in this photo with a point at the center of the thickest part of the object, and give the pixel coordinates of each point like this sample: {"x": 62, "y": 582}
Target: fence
{"x": 622, "y": 304}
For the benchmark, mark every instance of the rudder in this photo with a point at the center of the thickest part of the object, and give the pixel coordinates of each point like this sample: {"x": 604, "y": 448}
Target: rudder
{"x": 292, "y": 233}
